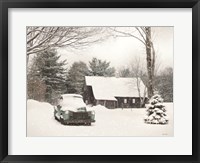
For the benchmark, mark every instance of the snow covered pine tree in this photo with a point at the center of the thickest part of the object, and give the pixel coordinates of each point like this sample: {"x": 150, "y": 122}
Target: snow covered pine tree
{"x": 51, "y": 70}
{"x": 156, "y": 112}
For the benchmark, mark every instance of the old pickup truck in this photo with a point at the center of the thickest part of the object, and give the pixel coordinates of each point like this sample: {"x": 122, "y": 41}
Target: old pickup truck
{"x": 71, "y": 110}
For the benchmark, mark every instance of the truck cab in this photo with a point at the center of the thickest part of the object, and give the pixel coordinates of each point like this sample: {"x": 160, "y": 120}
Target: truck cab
{"x": 71, "y": 110}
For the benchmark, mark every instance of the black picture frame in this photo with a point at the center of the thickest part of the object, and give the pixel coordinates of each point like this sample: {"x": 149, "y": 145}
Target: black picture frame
{"x": 4, "y": 95}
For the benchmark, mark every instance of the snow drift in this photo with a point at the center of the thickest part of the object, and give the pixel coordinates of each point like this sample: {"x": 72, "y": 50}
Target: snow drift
{"x": 109, "y": 122}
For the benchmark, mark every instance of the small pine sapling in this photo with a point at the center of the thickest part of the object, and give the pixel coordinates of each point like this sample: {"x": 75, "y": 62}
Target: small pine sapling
{"x": 156, "y": 112}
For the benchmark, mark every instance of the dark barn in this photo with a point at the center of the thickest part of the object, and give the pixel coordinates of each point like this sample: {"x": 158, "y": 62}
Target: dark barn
{"x": 113, "y": 92}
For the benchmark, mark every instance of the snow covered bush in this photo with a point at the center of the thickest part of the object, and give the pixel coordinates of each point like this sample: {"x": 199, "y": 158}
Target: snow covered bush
{"x": 156, "y": 112}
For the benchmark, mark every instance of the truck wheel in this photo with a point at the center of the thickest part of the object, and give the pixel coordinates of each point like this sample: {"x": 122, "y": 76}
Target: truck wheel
{"x": 62, "y": 121}
{"x": 55, "y": 117}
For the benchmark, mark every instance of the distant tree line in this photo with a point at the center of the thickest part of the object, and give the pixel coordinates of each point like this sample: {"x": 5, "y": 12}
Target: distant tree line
{"x": 164, "y": 84}
{"x": 48, "y": 76}
{"x": 163, "y": 81}
{"x": 78, "y": 71}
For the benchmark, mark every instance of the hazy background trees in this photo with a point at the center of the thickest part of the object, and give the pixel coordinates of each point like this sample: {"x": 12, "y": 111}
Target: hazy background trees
{"x": 164, "y": 84}
{"x": 48, "y": 77}
{"x": 78, "y": 71}
{"x": 124, "y": 72}
{"x": 163, "y": 79}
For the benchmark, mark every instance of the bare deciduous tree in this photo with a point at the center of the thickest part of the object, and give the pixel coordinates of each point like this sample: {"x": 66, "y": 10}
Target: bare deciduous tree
{"x": 137, "y": 72}
{"x": 144, "y": 35}
{"x": 42, "y": 38}
{"x": 124, "y": 72}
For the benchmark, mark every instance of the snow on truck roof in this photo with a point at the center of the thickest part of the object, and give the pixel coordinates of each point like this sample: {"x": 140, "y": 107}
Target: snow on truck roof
{"x": 107, "y": 88}
{"x": 72, "y": 102}
{"x": 72, "y": 95}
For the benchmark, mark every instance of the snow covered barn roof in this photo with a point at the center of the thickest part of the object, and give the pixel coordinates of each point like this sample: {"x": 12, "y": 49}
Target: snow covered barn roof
{"x": 107, "y": 88}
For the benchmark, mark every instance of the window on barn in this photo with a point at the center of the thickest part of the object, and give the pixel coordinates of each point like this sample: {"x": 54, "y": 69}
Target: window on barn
{"x": 125, "y": 100}
{"x": 133, "y": 100}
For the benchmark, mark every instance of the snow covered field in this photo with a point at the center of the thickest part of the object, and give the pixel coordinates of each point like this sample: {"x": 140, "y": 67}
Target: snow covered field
{"x": 116, "y": 122}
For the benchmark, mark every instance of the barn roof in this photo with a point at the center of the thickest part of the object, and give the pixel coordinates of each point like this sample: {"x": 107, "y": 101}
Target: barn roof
{"x": 107, "y": 88}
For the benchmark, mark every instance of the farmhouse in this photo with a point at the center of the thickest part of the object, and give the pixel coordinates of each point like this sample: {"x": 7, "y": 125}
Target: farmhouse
{"x": 113, "y": 92}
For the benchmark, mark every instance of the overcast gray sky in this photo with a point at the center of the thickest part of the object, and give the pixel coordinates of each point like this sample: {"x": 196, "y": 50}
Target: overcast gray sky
{"x": 120, "y": 51}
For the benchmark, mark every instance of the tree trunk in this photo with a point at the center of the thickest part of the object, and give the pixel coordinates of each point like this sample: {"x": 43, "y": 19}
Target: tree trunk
{"x": 138, "y": 88}
{"x": 144, "y": 97}
{"x": 150, "y": 64}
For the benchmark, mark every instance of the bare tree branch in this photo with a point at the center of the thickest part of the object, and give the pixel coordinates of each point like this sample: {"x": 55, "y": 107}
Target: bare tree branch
{"x": 127, "y": 34}
{"x": 144, "y": 37}
{"x": 141, "y": 34}
{"x": 43, "y": 38}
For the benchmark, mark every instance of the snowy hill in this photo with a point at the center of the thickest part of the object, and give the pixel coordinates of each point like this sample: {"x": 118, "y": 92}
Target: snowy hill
{"x": 116, "y": 122}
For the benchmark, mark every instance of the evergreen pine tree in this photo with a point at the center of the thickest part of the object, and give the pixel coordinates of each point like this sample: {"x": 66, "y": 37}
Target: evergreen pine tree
{"x": 52, "y": 72}
{"x": 101, "y": 68}
{"x": 156, "y": 112}
{"x": 76, "y": 77}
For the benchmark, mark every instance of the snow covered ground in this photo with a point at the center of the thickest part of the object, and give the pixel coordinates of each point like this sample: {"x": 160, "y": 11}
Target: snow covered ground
{"x": 116, "y": 122}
